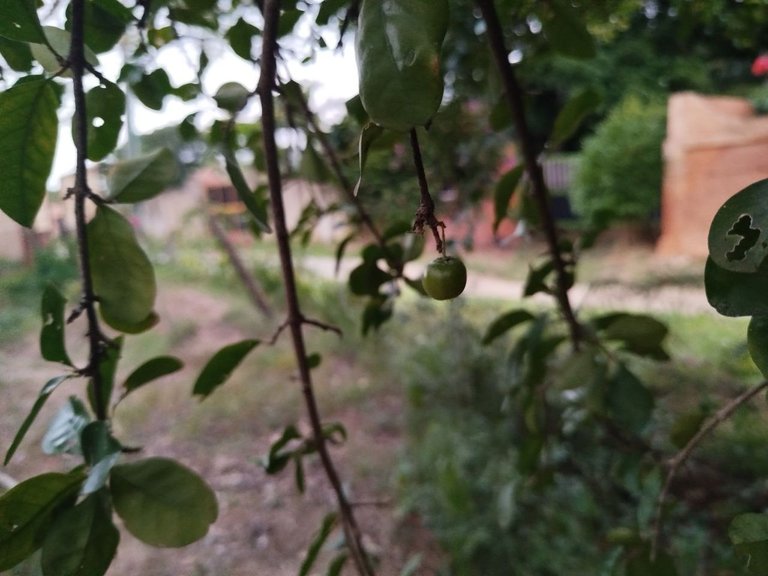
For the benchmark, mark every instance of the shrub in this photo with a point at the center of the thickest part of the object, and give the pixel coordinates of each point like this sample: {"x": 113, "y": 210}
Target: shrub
{"x": 619, "y": 177}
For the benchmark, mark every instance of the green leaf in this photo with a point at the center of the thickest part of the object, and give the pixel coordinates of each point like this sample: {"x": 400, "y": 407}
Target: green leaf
{"x": 537, "y": 276}
{"x": 640, "y": 334}
{"x": 52, "y": 346}
{"x": 337, "y": 564}
{"x": 413, "y": 564}
{"x": 736, "y": 293}
{"x": 123, "y": 277}
{"x": 256, "y": 205}
{"x": 757, "y": 339}
{"x": 28, "y": 132}
{"x": 105, "y": 23}
{"x": 26, "y": 511}
{"x": 151, "y": 370}
{"x": 240, "y": 38}
{"x": 366, "y": 278}
{"x": 572, "y": 115}
{"x": 628, "y": 401}
{"x": 101, "y": 451}
{"x": 42, "y": 397}
{"x": 278, "y": 458}
{"x": 566, "y": 31}
{"x": 19, "y": 21}
{"x": 313, "y": 168}
{"x": 749, "y": 535}
{"x": 152, "y": 88}
{"x": 317, "y": 543}
{"x": 368, "y": 136}
{"x": 162, "y": 502}
{"x": 53, "y": 52}
{"x": 314, "y": 360}
{"x": 63, "y": 433}
{"x": 107, "y": 371}
{"x": 340, "y": 252}
{"x": 738, "y": 236}
{"x": 398, "y": 59}
{"x": 504, "y": 323}
{"x": 641, "y": 564}
{"x": 17, "y": 54}
{"x": 503, "y": 192}
{"x": 82, "y": 541}
{"x": 687, "y": 426}
{"x": 376, "y": 313}
{"x": 220, "y": 367}
{"x": 105, "y": 107}
{"x": 143, "y": 177}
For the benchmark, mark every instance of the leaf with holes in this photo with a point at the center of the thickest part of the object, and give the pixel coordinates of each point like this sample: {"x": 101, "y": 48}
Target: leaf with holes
{"x": 398, "y": 58}
{"x": 28, "y": 132}
{"x": 105, "y": 107}
{"x": 19, "y": 21}
{"x": 738, "y": 235}
{"x": 82, "y": 541}
{"x": 52, "y": 345}
{"x": 143, "y": 177}
{"x": 162, "y": 502}
{"x": 26, "y": 512}
{"x": 42, "y": 397}
{"x": 220, "y": 367}
{"x": 123, "y": 277}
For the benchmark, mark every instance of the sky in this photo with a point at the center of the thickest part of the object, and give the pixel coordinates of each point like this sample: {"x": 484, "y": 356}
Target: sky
{"x": 331, "y": 78}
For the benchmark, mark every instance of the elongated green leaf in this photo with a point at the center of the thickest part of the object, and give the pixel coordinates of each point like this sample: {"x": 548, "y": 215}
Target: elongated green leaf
{"x": 63, "y": 433}
{"x": 123, "y": 277}
{"x": 16, "y": 54}
{"x": 368, "y": 136}
{"x": 277, "y": 459}
{"x": 52, "y": 346}
{"x": 220, "y": 367}
{"x": 101, "y": 451}
{"x": 749, "y": 535}
{"x": 640, "y": 334}
{"x": 503, "y": 192}
{"x": 82, "y": 541}
{"x": 53, "y": 52}
{"x": 256, "y": 205}
{"x": 398, "y": 59}
{"x": 757, "y": 339}
{"x": 736, "y": 293}
{"x": 572, "y": 115}
{"x": 19, "y": 21}
{"x": 26, "y": 511}
{"x": 162, "y": 502}
{"x": 107, "y": 371}
{"x": 28, "y": 131}
{"x": 628, "y": 401}
{"x": 151, "y": 370}
{"x": 738, "y": 236}
{"x": 337, "y": 564}
{"x": 317, "y": 543}
{"x": 105, "y": 107}
{"x": 504, "y": 323}
{"x": 143, "y": 177}
{"x": 47, "y": 390}
{"x": 566, "y": 31}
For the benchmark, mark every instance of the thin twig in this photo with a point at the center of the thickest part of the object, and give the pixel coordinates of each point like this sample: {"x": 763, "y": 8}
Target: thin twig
{"x": 514, "y": 95}
{"x": 82, "y": 193}
{"x": 681, "y": 457}
{"x": 295, "y": 316}
{"x": 425, "y": 215}
{"x": 323, "y": 326}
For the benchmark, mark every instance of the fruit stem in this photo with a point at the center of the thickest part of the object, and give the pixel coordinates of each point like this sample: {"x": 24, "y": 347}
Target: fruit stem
{"x": 425, "y": 215}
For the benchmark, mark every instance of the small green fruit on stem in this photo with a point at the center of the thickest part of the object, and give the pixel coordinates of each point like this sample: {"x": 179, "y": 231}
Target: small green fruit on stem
{"x": 445, "y": 278}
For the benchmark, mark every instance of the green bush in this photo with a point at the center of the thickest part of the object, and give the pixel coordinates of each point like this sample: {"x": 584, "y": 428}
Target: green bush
{"x": 619, "y": 177}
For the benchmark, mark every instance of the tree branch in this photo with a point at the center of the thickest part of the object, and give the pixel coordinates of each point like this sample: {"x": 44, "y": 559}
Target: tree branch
{"x": 514, "y": 96}
{"x": 82, "y": 193}
{"x": 295, "y": 316}
{"x": 681, "y": 457}
{"x": 425, "y": 215}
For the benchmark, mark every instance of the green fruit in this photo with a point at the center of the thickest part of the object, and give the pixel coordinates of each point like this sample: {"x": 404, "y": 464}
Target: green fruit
{"x": 445, "y": 278}
{"x": 232, "y": 97}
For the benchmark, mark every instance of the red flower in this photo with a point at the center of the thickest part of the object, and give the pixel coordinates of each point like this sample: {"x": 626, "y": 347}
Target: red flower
{"x": 760, "y": 65}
